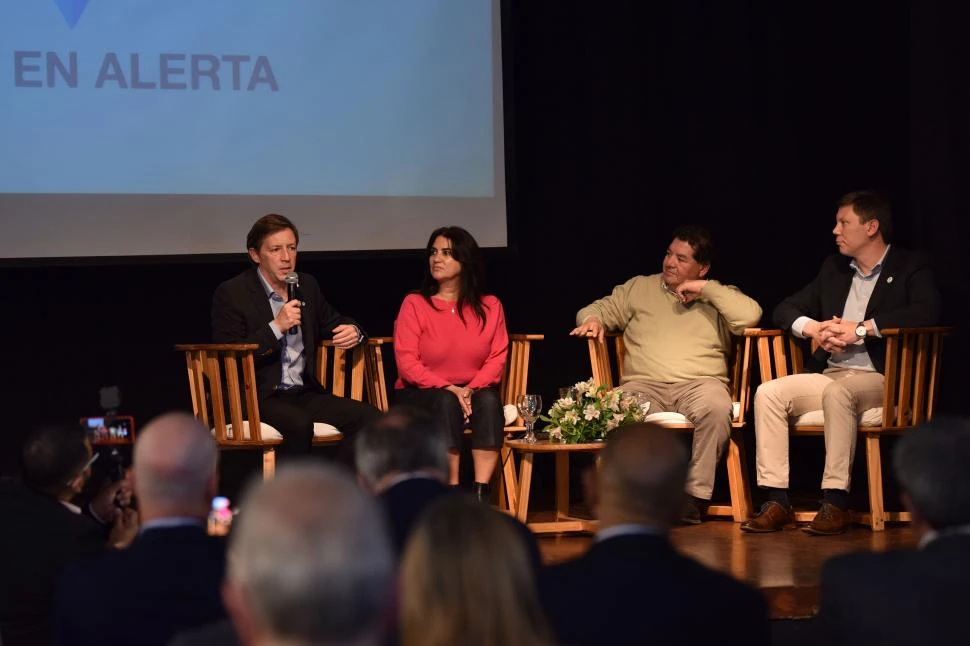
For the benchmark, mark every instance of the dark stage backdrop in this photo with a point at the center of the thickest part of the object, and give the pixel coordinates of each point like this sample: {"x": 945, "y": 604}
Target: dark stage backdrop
{"x": 624, "y": 120}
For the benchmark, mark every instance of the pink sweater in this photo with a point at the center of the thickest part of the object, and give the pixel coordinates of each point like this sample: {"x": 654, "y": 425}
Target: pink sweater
{"x": 434, "y": 349}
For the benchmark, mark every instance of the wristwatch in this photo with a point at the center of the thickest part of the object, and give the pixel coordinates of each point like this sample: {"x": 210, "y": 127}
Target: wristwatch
{"x": 860, "y": 331}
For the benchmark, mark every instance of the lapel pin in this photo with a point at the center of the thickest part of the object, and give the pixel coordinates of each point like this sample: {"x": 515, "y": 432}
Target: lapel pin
{"x": 889, "y": 280}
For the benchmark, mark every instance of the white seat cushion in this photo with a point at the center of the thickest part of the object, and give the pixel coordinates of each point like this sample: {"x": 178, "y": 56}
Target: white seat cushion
{"x": 871, "y": 417}
{"x": 267, "y": 432}
{"x": 511, "y": 414}
{"x": 676, "y": 418}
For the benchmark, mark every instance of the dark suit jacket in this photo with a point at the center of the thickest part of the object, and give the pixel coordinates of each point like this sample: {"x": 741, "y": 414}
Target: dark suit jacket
{"x": 220, "y": 633}
{"x": 167, "y": 581}
{"x": 405, "y": 502}
{"x": 39, "y": 538}
{"x": 900, "y": 597}
{"x": 905, "y": 295}
{"x": 241, "y": 313}
{"x": 636, "y": 589}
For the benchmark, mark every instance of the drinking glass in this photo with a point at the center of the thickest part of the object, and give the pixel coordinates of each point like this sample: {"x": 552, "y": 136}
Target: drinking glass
{"x": 529, "y": 408}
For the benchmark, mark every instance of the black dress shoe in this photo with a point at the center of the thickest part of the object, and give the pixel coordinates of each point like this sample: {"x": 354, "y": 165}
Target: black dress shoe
{"x": 482, "y": 491}
{"x": 694, "y": 511}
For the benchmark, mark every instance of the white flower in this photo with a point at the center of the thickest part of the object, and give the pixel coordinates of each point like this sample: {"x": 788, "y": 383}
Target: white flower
{"x": 565, "y": 402}
{"x": 613, "y": 423}
{"x": 555, "y": 433}
{"x": 571, "y": 416}
{"x": 614, "y": 401}
{"x": 591, "y": 412}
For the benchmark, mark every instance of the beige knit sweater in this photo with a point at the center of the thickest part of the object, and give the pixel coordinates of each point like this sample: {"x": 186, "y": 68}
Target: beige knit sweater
{"x": 668, "y": 341}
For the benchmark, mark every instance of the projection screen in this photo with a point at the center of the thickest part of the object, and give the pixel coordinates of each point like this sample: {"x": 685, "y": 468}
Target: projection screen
{"x": 166, "y": 127}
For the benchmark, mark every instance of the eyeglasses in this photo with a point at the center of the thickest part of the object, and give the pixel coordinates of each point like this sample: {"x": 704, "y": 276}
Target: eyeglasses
{"x": 87, "y": 465}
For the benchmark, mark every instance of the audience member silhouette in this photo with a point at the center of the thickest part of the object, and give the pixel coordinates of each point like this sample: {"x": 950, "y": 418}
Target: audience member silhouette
{"x": 43, "y": 532}
{"x": 466, "y": 578}
{"x": 911, "y": 596}
{"x": 632, "y": 587}
{"x": 310, "y": 562}
{"x": 168, "y": 579}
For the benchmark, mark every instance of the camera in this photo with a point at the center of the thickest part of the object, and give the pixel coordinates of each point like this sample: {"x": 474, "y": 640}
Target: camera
{"x": 118, "y": 429}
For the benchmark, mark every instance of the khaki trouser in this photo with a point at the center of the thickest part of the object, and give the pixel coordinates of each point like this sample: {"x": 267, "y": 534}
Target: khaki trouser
{"x": 706, "y": 403}
{"x": 841, "y": 394}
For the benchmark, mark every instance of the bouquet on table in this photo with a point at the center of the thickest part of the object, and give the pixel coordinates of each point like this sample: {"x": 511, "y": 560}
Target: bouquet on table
{"x": 587, "y": 412}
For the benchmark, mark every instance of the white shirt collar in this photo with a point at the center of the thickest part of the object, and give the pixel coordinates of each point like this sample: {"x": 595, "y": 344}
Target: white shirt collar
{"x": 71, "y": 506}
{"x": 174, "y": 521}
{"x": 933, "y": 534}
{"x": 629, "y": 529}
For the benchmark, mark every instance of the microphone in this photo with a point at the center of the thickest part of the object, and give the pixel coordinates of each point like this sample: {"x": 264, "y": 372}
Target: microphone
{"x": 292, "y": 281}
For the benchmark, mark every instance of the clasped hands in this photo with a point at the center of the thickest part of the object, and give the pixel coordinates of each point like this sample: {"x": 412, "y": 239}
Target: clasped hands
{"x": 464, "y": 396}
{"x": 833, "y": 335}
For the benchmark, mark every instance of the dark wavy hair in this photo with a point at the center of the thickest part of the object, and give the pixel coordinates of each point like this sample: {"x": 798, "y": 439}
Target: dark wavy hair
{"x": 465, "y": 250}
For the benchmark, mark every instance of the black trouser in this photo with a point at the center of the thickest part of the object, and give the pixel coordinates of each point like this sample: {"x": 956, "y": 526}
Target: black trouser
{"x": 487, "y": 420}
{"x": 292, "y": 412}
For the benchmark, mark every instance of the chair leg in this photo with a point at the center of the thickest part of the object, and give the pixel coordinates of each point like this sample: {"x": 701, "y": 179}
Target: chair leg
{"x": 509, "y": 480}
{"x": 738, "y": 478}
{"x": 874, "y": 470}
{"x": 269, "y": 462}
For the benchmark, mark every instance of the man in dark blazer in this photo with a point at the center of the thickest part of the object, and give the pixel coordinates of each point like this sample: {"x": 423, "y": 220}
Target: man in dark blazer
{"x": 911, "y": 596}
{"x": 870, "y": 285}
{"x": 632, "y": 587}
{"x": 168, "y": 580}
{"x": 402, "y": 458}
{"x": 255, "y": 307}
{"x": 43, "y": 532}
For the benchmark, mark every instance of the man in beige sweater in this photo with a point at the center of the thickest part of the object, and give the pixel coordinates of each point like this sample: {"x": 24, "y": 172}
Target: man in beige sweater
{"x": 677, "y": 329}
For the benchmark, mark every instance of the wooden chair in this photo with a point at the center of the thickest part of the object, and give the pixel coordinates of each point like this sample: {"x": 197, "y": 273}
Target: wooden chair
{"x": 515, "y": 380}
{"x": 911, "y": 386}
{"x": 223, "y": 377}
{"x": 607, "y": 357}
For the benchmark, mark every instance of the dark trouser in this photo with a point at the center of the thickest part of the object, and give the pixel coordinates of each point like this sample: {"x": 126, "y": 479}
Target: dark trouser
{"x": 293, "y": 412}
{"x": 487, "y": 420}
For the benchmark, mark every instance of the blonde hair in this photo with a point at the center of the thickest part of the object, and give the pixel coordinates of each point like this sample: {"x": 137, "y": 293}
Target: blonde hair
{"x": 466, "y": 578}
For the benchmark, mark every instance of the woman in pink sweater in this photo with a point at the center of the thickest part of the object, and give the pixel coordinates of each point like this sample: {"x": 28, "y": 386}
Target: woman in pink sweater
{"x": 450, "y": 345}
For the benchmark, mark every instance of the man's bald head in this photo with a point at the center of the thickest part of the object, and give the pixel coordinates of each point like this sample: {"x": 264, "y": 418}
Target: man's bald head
{"x": 175, "y": 465}
{"x": 642, "y": 474}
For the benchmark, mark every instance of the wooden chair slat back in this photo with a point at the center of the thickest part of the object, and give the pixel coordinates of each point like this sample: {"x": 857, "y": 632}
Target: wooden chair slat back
{"x": 913, "y": 358}
{"x": 374, "y": 376}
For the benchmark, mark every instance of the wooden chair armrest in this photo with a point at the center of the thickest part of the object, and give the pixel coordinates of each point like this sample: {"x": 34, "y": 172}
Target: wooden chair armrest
{"x": 896, "y": 331}
{"x": 216, "y": 347}
{"x": 527, "y": 337}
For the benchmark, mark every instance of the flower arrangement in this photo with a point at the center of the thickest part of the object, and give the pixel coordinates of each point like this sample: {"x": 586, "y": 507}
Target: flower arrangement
{"x": 589, "y": 412}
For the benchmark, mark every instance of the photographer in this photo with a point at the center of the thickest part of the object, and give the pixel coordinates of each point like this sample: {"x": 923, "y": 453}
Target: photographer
{"x": 44, "y": 531}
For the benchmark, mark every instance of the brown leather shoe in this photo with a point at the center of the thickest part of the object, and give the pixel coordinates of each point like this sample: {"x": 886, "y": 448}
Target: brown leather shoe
{"x": 772, "y": 518}
{"x": 829, "y": 520}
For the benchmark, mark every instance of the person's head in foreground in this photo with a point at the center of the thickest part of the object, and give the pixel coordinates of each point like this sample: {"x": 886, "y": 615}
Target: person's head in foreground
{"x": 466, "y": 578}
{"x": 931, "y": 466}
{"x": 175, "y": 468}
{"x": 641, "y": 477}
{"x": 310, "y": 562}
{"x": 405, "y": 441}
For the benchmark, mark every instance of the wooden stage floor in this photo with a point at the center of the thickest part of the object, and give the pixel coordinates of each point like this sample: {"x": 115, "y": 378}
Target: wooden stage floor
{"x": 784, "y": 565}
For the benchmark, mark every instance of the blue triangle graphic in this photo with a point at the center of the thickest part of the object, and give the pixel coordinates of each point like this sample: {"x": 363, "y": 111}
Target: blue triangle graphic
{"x": 72, "y": 10}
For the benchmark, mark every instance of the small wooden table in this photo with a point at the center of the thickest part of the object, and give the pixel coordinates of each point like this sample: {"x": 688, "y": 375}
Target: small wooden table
{"x": 520, "y": 508}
